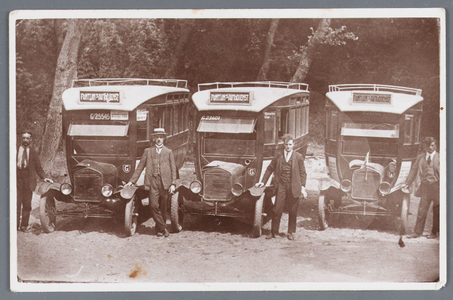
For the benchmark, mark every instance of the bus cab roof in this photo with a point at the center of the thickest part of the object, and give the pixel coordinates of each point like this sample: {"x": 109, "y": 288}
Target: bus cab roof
{"x": 260, "y": 94}
{"x": 132, "y": 92}
{"x": 373, "y": 97}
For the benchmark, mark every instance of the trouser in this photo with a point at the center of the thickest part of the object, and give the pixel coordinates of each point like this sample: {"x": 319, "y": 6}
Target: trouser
{"x": 24, "y": 196}
{"x": 158, "y": 203}
{"x": 284, "y": 198}
{"x": 430, "y": 193}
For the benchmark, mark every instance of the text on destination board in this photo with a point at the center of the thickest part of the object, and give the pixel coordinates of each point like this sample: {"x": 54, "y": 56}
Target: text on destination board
{"x": 230, "y": 98}
{"x": 364, "y": 98}
{"x": 107, "y": 97}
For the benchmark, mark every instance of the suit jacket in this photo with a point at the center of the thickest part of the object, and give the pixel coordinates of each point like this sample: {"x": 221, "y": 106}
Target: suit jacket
{"x": 167, "y": 167}
{"x": 416, "y": 172}
{"x": 298, "y": 173}
{"x": 34, "y": 168}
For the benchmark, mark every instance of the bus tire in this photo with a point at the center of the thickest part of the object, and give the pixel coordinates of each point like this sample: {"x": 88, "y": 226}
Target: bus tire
{"x": 323, "y": 225}
{"x": 176, "y": 214}
{"x": 131, "y": 217}
{"x": 404, "y": 213}
{"x": 258, "y": 217}
{"x": 47, "y": 209}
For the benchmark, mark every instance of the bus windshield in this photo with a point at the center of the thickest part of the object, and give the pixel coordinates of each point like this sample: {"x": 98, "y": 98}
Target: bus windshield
{"x": 231, "y": 144}
{"x": 379, "y": 130}
{"x": 99, "y": 139}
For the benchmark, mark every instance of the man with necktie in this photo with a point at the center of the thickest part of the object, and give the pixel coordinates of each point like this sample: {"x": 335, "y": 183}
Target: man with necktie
{"x": 160, "y": 177}
{"x": 28, "y": 170}
{"x": 426, "y": 169}
{"x": 289, "y": 182}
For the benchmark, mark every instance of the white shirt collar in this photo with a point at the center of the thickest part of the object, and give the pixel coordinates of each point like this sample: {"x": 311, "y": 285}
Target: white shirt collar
{"x": 430, "y": 154}
{"x": 287, "y": 154}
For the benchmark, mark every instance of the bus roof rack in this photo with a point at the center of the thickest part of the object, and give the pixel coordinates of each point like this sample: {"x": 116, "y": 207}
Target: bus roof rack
{"x": 375, "y": 88}
{"x": 129, "y": 81}
{"x": 270, "y": 84}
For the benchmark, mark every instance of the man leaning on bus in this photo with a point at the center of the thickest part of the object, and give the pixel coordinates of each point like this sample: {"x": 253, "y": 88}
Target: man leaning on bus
{"x": 426, "y": 168}
{"x": 289, "y": 182}
{"x": 160, "y": 178}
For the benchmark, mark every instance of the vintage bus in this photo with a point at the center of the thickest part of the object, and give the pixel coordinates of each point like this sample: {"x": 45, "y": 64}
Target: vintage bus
{"x": 372, "y": 139}
{"x": 107, "y": 124}
{"x": 238, "y": 130}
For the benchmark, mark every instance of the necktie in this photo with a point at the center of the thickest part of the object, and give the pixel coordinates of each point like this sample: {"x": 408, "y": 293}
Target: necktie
{"x": 429, "y": 160}
{"x": 24, "y": 159}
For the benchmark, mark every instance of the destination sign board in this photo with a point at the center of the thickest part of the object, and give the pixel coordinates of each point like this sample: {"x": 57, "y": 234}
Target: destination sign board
{"x": 225, "y": 97}
{"x": 369, "y": 98}
{"x": 100, "y": 97}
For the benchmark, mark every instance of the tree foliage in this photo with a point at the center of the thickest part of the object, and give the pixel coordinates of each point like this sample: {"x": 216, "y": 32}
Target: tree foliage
{"x": 316, "y": 51}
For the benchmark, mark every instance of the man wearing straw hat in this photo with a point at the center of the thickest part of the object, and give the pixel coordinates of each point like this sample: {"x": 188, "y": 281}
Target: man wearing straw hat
{"x": 160, "y": 178}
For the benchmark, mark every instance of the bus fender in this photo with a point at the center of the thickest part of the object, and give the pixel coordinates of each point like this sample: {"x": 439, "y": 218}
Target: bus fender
{"x": 128, "y": 192}
{"x": 44, "y": 187}
{"x": 326, "y": 183}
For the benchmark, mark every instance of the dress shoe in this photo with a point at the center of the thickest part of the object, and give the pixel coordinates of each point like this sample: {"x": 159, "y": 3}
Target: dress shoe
{"x": 160, "y": 234}
{"x": 432, "y": 236}
{"x": 413, "y": 236}
{"x": 270, "y": 236}
{"x": 24, "y": 229}
{"x": 291, "y": 237}
{"x": 166, "y": 233}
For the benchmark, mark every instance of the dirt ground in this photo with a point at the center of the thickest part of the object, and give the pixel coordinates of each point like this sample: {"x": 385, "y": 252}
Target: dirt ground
{"x": 221, "y": 250}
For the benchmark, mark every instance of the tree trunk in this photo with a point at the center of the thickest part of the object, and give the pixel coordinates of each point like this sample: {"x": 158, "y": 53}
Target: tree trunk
{"x": 65, "y": 72}
{"x": 309, "y": 51}
{"x": 186, "y": 27}
{"x": 262, "y": 74}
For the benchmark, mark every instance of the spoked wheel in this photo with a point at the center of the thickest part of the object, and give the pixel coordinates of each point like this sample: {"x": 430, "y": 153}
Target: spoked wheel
{"x": 404, "y": 213}
{"x": 322, "y": 208}
{"x": 258, "y": 217}
{"x": 47, "y": 213}
{"x": 131, "y": 217}
{"x": 176, "y": 213}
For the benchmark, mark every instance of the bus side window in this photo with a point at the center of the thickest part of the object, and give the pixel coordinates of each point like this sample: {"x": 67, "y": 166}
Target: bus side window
{"x": 168, "y": 120}
{"x": 417, "y": 124}
{"x": 158, "y": 117}
{"x": 142, "y": 124}
{"x": 176, "y": 123}
{"x": 269, "y": 127}
{"x": 299, "y": 121}
{"x": 333, "y": 124}
{"x": 408, "y": 128}
{"x": 292, "y": 122}
{"x": 282, "y": 115}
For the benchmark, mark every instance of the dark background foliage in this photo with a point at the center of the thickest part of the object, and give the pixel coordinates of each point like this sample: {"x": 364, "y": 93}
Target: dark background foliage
{"x": 402, "y": 52}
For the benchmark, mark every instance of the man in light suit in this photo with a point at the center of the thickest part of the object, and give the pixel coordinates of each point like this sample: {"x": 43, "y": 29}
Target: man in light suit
{"x": 289, "y": 182}
{"x": 28, "y": 170}
{"x": 426, "y": 167}
{"x": 160, "y": 177}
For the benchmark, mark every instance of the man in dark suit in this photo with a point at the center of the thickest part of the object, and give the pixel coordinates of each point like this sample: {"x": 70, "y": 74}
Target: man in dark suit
{"x": 160, "y": 177}
{"x": 289, "y": 182}
{"x": 426, "y": 170}
{"x": 28, "y": 170}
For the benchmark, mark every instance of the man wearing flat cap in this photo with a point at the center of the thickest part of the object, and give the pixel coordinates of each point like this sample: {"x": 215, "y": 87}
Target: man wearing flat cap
{"x": 160, "y": 177}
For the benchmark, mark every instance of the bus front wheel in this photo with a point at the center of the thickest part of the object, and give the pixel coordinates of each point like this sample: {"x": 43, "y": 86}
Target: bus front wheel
{"x": 131, "y": 217}
{"x": 258, "y": 217}
{"x": 323, "y": 225}
{"x": 176, "y": 213}
{"x": 404, "y": 213}
{"x": 47, "y": 210}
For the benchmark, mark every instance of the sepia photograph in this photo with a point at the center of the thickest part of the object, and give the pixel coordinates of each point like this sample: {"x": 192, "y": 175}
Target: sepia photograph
{"x": 228, "y": 150}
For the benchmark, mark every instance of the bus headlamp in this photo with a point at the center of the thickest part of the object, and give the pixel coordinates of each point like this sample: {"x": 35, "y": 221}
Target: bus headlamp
{"x": 391, "y": 170}
{"x": 237, "y": 189}
{"x": 384, "y": 188}
{"x": 107, "y": 190}
{"x": 195, "y": 187}
{"x": 346, "y": 185}
{"x": 66, "y": 189}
